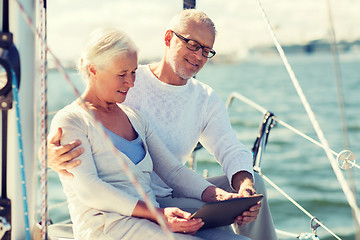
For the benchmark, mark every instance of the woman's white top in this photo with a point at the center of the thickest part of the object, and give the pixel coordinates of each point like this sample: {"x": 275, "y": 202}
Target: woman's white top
{"x": 101, "y": 183}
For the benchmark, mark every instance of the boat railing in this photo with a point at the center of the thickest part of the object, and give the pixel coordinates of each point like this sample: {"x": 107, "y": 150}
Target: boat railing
{"x": 269, "y": 121}
{"x": 345, "y": 158}
{"x": 350, "y": 160}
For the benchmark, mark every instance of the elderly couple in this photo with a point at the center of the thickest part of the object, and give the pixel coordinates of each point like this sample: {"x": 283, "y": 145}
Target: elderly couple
{"x": 154, "y": 115}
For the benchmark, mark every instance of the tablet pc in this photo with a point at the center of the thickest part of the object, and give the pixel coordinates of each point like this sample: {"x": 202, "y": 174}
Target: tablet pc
{"x": 217, "y": 214}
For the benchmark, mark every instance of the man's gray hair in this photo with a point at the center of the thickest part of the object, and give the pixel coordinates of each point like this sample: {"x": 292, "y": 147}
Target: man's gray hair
{"x": 178, "y": 22}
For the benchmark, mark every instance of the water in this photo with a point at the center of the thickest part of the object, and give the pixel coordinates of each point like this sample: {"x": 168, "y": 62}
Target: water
{"x": 299, "y": 167}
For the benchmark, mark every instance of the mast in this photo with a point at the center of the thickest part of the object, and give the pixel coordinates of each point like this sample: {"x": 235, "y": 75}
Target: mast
{"x": 25, "y": 42}
{"x": 189, "y": 4}
{"x": 7, "y": 50}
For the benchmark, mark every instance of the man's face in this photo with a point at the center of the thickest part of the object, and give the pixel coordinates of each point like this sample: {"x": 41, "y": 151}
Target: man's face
{"x": 184, "y": 62}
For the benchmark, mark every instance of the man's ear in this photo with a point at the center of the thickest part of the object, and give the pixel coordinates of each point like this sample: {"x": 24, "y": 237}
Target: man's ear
{"x": 168, "y": 36}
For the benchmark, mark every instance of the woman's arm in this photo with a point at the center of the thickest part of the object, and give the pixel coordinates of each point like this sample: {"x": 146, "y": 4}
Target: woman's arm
{"x": 86, "y": 183}
{"x": 172, "y": 171}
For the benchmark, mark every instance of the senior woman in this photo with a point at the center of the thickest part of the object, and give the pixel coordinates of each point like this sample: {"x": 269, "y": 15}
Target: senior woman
{"x": 103, "y": 202}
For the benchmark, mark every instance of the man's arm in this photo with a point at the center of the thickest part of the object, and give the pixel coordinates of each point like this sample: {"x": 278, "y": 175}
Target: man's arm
{"x": 61, "y": 158}
{"x": 243, "y": 183}
{"x": 219, "y": 138}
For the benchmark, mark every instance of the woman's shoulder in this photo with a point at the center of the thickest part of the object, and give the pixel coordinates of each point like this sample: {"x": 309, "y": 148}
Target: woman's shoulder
{"x": 70, "y": 114}
{"x": 133, "y": 113}
{"x": 137, "y": 118}
{"x": 71, "y": 109}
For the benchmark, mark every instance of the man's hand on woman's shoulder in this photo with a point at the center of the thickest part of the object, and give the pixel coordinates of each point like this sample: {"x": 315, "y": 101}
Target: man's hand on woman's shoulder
{"x": 63, "y": 157}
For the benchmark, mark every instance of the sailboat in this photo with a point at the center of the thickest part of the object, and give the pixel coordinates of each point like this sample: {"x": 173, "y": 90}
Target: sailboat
{"x": 20, "y": 182}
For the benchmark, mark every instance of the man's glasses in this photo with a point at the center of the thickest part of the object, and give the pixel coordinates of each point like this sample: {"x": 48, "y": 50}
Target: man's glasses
{"x": 194, "y": 46}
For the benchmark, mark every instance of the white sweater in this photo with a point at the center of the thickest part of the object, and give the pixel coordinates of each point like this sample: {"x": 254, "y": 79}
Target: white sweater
{"x": 100, "y": 183}
{"x": 183, "y": 115}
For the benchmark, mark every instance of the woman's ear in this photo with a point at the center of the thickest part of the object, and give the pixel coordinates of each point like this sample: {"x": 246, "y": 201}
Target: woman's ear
{"x": 168, "y": 36}
{"x": 92, "y": 69}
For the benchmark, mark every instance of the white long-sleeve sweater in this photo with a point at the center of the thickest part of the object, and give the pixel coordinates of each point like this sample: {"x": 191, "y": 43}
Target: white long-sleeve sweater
{"x": 184, "y": 115}
{"x": 100, "y": 184}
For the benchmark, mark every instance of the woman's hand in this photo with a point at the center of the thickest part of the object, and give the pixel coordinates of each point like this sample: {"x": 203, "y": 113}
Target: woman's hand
{"x": 179, "y": 221}
{"x": 176, "y": 219}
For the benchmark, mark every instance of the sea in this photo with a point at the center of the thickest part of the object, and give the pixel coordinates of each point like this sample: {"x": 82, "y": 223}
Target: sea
{"x": 299, "y": 167}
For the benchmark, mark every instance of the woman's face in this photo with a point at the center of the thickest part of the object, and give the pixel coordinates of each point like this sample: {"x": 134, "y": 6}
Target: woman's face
{"x": 114, "y": 81}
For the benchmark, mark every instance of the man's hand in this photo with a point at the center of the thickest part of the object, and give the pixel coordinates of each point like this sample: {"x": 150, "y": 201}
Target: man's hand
{"x": 243, "y": 183}
{"x": 249, "y": 216}
{"x": 213, "y": 193}
{"x": 61, "y": 158}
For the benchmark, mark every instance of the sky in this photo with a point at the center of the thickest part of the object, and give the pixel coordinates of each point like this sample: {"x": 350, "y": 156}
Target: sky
{"x": 239, "y": 23}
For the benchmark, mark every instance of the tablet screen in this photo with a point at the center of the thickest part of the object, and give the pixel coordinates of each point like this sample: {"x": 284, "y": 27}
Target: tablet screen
{"x": 216, "y": 214}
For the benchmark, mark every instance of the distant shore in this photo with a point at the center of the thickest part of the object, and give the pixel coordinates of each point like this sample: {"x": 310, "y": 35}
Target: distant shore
{"x": 312, "y": 47}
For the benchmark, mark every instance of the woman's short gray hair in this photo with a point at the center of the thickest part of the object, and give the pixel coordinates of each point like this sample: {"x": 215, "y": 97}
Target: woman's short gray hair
{"x": 179, "y": 21}
{"x": 104, "y": 44}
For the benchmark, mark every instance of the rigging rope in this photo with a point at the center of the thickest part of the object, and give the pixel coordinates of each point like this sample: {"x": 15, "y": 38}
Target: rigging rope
{"x": 335, "y": 54}
{"x": 61, "y": 70}
{"x": 43, "y": 125}
{"x": 131, "y": 176}
{"x": 345, "y": 187}
{"x": 341, "y": 101}
{"x": 279, "y": 121}
{"x": 263, "y": 110}
{"x": 284, "y": 124}
{"x": 297, "y": 204}
{"x": 21, "y": 156}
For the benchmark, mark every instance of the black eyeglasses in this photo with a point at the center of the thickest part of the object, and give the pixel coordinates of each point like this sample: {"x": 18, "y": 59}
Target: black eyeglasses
{"x": 194, "y": 46}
